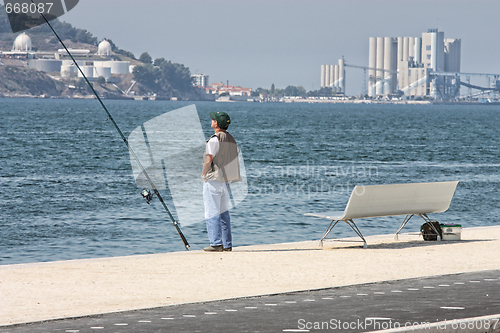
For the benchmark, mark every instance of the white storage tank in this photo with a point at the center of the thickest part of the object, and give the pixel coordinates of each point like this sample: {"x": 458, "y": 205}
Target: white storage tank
{"x": 68, "y": 71}
{"x": 46, "y": 65}
{"x": 88, "y": 71}
{"x": 102, "y": 71}
{"x": 119, "y": 67}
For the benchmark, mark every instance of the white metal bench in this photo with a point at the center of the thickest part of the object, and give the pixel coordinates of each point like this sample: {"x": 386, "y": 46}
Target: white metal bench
{"x": 390, "y": 200}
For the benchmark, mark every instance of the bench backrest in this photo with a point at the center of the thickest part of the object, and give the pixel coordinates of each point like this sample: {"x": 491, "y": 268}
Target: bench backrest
{"x": 399, "y": 199}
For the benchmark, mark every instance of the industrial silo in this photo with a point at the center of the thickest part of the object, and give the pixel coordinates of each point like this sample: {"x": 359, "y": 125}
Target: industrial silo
{"x": 406, "y": 51}
{"x": 418, "y": 51}
{"x": 341, "y": 76}
{"x": 372, "y": 64}
{"x": 332, "y": 75}
{"x": 411, "y": 48}
{"x": 323, "y": 70}
{"x": 379, "y": 90}
{"x": 400, "y": 50}
{"x": 336, "y": 77}
{"x": 388, "y": 51}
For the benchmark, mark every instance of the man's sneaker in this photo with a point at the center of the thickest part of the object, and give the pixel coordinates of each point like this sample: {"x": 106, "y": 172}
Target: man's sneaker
{"x": 227, "y": 249}
{"x": 218, "y": 248}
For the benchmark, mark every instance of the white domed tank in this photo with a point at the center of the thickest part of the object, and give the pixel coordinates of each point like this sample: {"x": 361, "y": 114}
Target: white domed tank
{"x": 22, "y": 43}
{"x": 104, "y": 48}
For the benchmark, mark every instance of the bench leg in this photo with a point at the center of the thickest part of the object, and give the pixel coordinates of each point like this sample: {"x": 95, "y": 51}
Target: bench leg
{"x": 407, "y": 218}
{"x": 356, "y": 230}
{"x": 351, "y": 224}
{"x": 330, "y": 227}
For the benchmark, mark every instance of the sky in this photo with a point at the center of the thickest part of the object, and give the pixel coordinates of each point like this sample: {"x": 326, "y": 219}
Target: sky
{"x": 255, "y": 43}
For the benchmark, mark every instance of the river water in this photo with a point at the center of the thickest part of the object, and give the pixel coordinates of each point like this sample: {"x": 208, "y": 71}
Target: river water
{"x": 68, "y": 190}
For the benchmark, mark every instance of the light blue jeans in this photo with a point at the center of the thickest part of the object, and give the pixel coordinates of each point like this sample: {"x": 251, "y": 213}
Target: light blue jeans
{"x": 216, "y": 199}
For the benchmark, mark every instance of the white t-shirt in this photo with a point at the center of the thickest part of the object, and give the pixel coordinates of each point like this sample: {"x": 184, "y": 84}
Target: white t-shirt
{"x": 212, "y": 146}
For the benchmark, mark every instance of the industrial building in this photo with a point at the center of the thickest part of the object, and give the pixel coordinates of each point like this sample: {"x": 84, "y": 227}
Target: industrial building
{"x": 416, "y": 60}
{"x": 219, "y": 88}
{"x": 406, "y": 64}
{"x": 333, "y": 76}
{"x": 93, "y": 65}
{"x": 200, "y": 80}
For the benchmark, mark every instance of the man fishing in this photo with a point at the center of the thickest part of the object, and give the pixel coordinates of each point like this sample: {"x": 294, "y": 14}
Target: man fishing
{"x": 220, "y": 168}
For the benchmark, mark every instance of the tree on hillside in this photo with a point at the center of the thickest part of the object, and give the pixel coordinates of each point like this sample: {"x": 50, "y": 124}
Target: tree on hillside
{"x": 66, "y": 31}
{"x": 82, "y": 85}
{"x": 159, "y": 61}
{"x": 147, "y": 75}
{"x": 175, "y": 76}
{"x": 83, "y": 36}
{"x": 145, "y": 58}
{"x": 272, "y": 89}
{"x": 166, "y": 78}
{"x": 4, "y": 22}
{"x": 101, "y": 80}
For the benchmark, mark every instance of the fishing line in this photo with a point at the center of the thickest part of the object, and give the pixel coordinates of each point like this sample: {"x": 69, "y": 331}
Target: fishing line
{"x": 176, "y": 224}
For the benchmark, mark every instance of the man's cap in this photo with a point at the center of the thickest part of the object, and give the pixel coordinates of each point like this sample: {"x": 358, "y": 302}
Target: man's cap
{"x": 222, "y": 118}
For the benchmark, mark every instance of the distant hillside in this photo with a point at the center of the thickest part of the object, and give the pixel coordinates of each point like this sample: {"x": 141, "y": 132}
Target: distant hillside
{"x": 24, "y": 81}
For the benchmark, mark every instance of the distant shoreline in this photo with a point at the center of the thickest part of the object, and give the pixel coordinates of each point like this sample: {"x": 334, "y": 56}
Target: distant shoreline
{"x": 287, "y": 101}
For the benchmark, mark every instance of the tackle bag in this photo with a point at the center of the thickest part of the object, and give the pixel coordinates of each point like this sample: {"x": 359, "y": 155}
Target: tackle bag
{"x": 428, "y": 233}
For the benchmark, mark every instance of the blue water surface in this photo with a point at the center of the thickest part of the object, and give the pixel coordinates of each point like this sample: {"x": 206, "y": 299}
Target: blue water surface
{"x": 68, "y": 190}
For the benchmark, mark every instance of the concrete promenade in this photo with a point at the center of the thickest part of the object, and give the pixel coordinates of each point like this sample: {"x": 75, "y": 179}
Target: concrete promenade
{"x": 43, "y": 291}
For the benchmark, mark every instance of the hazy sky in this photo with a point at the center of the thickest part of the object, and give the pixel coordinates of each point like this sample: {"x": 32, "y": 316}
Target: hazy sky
{"x": 255, "y": 43}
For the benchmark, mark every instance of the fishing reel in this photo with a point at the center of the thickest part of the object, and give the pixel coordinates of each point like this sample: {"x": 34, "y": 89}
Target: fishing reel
{"x": 146, "y": 194}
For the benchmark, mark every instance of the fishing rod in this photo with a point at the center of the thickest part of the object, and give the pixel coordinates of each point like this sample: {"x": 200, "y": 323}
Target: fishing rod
{"x": 144, "y": 193}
